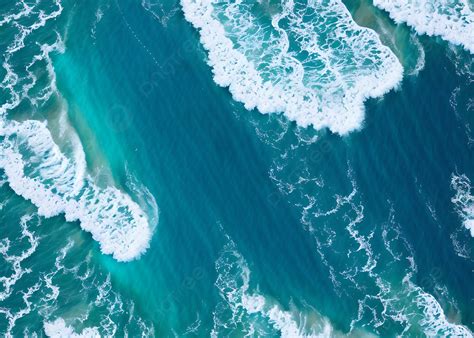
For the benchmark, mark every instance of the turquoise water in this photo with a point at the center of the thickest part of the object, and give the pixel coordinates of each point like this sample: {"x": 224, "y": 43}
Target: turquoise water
{"x": 154, "y": 203}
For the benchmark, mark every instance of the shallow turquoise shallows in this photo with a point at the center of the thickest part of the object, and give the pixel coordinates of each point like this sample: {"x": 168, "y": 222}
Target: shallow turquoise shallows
{"x": 261, "y": 168}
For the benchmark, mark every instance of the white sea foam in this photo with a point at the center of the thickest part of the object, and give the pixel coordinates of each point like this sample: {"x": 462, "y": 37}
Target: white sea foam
{"x": 15, "y": 261}
{"x": 395, "y": 302}
{"x": 144, "y": 197}
{"x": 420, "y": 62}
{"x": 99, "y": 14}
{"x": 193, "y": 327}
{"x": 461, "y": 244}
{"x": 37, "y": 297}
{"x": 12, "y": 317}
{"x": 25, "y": 31}
{"x": 434, "y": 321}
{"x": 59, "y": 328}
{"x": 463, "y": 200}
{"x": 111, "y": 313}
{"x": 52, "y": 176}
{"x": 452, "y": 20}
{"x": 254, "y": 310}
{"x": 24, "y": 11}
{"x": 39, "y": 171}
{"x": 333, "y": 67}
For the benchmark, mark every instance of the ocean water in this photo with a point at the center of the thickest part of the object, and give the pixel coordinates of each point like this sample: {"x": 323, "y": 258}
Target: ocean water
{"x": 232, "y": 168}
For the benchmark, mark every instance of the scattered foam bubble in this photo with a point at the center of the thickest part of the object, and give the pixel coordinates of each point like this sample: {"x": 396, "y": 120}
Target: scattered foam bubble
{"x": 258, "y": 314}
{"x": 40, "y": 297}
{"x": 461, "y": 243}
{"x": 383, "y": 298}
{"x": 99, "y": 14}
{"x": 463, "y": 200}
{"x": 331, "y": 68}
{"x": 453, "y": 20}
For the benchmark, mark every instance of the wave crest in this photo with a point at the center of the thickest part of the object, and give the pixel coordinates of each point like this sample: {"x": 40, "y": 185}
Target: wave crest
{"x": 50, "y": 170}
{"x": 451, "y": 20}
{"x": 312, "y": 62}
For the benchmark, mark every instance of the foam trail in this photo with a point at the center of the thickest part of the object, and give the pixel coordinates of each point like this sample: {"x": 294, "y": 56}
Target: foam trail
{"x": 13, "y": 317}
{"x": 310, "y": 61}
{"x": 434, "y": 322}
{"x": 452, "y": 20}
{"x": 25, "y": 11}
{"x": 145, "y": 198}
{"x": 420, "y": 62}
{"x": 254, "y": 310}
{"x": 463, "y": 200}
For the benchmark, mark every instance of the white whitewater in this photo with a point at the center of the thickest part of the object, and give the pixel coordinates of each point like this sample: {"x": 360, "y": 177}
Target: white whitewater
{"x": 312, "y": 61}
{"x": 452, "y": 20}
{"x": 258, "y": 314}
{"x": 54, "y": 176}
{"x": 463, "y": 200}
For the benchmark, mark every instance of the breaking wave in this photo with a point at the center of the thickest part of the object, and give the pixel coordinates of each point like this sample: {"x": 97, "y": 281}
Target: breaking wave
{"x": 451, "y": 20}
{"x": 310, "y": 61}
{"x": 47, "y": 166}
